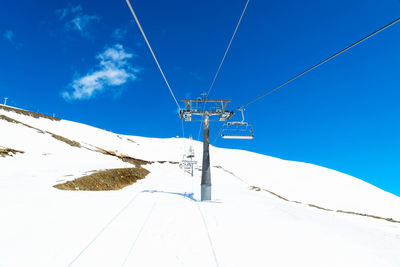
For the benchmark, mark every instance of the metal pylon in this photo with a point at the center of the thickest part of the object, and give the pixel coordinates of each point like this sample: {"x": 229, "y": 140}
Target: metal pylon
{"x": 205, "y": 172}
{"x": 205, "y": 108}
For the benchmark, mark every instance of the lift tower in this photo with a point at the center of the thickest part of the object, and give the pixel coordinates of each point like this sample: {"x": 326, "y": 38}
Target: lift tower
{"x": 205, "y": 108}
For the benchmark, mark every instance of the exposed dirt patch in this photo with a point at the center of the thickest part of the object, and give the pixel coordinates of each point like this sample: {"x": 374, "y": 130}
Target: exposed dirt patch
{"x": 136, "y": 162}
{"x": 170, "y": 162}
{"x": 18, "y": 122}
{"x": 28, "y": 113}
{"x": 231, "y": 173}
{"x": 368, "y": 215}
{"x": 318, "y": 207}
{"x": 8, "y": 119}
{"x": 130, "y": 140}
{"x": 126, "y": 139}
{"x": 66, "y": 140}
{"x": 106, "y": 152}
{"x": 125, "y": 158}
{"x": 4, "y": 152}
{"x": 112, "y": 179}
{"x": 55, "y": 136}
{"x": 256, "y": 188}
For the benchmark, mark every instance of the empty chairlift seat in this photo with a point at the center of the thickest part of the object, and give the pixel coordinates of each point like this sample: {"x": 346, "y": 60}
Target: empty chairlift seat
{"x": 237, "y": 129}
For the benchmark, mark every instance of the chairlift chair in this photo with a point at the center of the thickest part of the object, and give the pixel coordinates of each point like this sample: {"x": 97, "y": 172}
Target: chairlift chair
{"x": 190, "y": 153}
{"x": 237, "y": 129}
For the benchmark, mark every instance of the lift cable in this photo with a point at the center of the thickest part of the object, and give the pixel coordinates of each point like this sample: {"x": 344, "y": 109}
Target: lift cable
{"x": 223, "y": 59}
{"x": 319, "y": 64}
{"x": 218, "y": 135}
{"x": 155, "y": 59}
{"x": 151, "y": 50}
{"x": 227, "y": 49}
{"x": 313, "y": 67}
{"x": 200, "y": 127}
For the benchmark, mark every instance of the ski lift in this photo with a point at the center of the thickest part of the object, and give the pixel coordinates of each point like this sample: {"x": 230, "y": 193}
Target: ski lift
{"x": 187, "y": 163}
{"x": 237, "y": 129}
{"x": 190, "y": 154}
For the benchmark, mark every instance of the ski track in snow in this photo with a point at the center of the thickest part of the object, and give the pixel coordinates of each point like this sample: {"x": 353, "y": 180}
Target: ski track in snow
{"x": 140, "y": 232}
{"x": 105, "y": 227}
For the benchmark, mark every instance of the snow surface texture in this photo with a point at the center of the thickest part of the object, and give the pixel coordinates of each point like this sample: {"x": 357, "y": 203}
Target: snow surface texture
{"x": 159, "y": 221}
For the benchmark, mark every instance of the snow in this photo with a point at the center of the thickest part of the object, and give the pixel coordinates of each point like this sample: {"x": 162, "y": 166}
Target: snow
{"x": 159, "y": 221}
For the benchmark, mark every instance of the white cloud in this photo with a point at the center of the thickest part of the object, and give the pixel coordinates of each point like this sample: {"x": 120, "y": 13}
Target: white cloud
{"x": 75, "y": 19}
{"x": 113, "y": 70}
{"x": 63, "y": 12}
{"x": 76, "y": 9}
{"x": 120, "y": 33}
{"x": 80, "y": 22}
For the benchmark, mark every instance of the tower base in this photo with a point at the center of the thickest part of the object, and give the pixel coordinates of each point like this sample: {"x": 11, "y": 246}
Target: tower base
{"x": 205, "y": 192}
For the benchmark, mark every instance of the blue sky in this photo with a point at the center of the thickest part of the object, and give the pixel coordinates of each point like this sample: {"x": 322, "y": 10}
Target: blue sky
{"x": 86, "y": 61}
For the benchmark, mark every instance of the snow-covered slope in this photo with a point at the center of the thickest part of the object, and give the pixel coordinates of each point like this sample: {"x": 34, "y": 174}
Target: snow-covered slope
{"x": 266, "y": 211}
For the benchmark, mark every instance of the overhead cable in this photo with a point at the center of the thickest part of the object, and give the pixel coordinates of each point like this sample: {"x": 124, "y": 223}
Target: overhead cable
{"x": 151, "y": 50}
{"x": 227, "y": 49}
{"x": 201, "y": 124}
{"x": 218, "y": 135}
{"x": 222, "y": 60}
{"x": 319, "y": 64}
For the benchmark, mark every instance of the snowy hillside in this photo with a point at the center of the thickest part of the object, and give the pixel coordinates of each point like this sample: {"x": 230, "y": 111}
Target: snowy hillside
{"x": 265, "y": 211}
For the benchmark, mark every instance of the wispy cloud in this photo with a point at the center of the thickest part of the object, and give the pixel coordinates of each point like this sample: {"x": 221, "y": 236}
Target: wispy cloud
{"x": 64, "y": 12}
{"x": 75, "y": 9}
{"x": 9, "y": 36}
{"x": 81, "y": 22}
{"x": 75, "y": 19}
{"x": 119, "y": 33}
{"x": 112, "y": 71}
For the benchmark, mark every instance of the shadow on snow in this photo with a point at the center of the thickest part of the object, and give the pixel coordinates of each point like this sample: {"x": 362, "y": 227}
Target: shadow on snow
{"x": 187, "y": 195}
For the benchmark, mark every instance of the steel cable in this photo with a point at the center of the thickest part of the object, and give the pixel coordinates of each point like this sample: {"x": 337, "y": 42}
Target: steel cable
{"x": 322, "y": 62}
{"x": 151, "y": 50}
{"x": 155, "y": 59}
{"x": 228, "y": 47}
{"x": 222, "y": 60}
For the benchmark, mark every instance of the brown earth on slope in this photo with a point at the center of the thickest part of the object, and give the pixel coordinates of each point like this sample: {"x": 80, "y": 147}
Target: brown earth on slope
{"x": 55, "y": 136}
{"x": 112, "y": 179}
{"x": 5, "y": 151}
{"x": 125, "y": 158}
{"x": 65, "y": 140}
{"x": 28, "y": 113}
